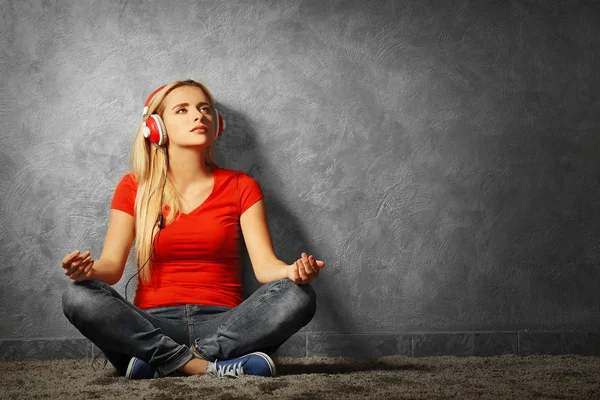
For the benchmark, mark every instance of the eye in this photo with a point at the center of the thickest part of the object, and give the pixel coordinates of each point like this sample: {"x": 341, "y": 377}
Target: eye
{"x": 205, "y": 109}
{"x": 181, "y": 109}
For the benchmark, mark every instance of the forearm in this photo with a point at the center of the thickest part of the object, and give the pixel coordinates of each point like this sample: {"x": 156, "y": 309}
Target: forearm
{"x": 105, "y": 271}
{"x": 274, "y": 271}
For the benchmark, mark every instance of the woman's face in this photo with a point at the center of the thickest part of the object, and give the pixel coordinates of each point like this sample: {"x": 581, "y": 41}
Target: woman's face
{"x": 188, "y": 118}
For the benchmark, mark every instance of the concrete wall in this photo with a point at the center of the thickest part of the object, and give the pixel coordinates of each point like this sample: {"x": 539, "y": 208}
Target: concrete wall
{"x": 443, "y": 159}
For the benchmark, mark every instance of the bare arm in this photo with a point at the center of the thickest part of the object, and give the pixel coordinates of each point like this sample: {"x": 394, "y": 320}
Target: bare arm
{"x": 119, "y": 237}
{"x": 111, "y": 264}
{"x": 267, "y": 267}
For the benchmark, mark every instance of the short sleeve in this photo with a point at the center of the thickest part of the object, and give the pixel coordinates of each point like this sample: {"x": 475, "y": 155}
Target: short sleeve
{"x": 249, "y": 192}
{"x": 124, "y": 196}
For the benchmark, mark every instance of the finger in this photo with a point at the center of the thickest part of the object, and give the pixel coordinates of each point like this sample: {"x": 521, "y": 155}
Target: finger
{"x": 78, "y": 266}
{"x": 306, "y": 263}
{"x": 89, "y": 267}
{"x": 310, "y": 269}
{"x": 301, "y": 269}
{"x": 309, "y": 272}
{"x": 84, "y": 263}
{"x": 79, "y": 274}
{"x": 81, "y": 256}
{"x": 81, "y": 269}
{"x": 69, "y": 270}
{"x": 88, "y": 271}
{"x": 80, "y": 260}
{"x": 307, "y": 266}
{"x": 82, "y": 276}
{"x": 74, "y": 274}
{"x": 320, "y": 263}
{"x": 69, "y": 257}
{"x": 76, "y": 263}
{"x": 313, "y": 264}
{"x": 79, "y": 277}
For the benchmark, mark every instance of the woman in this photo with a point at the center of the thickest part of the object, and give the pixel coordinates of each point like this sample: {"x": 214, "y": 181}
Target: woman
{"x": 188, "y": 309}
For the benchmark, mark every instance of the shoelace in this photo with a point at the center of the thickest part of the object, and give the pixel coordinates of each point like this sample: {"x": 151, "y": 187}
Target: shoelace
{"x": 232, "y": 370}
{"x": 94, "y": 360}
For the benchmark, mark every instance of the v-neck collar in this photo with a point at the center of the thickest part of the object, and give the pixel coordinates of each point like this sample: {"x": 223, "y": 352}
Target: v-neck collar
{"x": 210, "y": 196}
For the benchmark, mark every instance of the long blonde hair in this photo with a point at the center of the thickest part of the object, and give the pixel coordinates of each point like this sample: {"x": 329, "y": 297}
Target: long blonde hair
{"x": 148, "y": 165}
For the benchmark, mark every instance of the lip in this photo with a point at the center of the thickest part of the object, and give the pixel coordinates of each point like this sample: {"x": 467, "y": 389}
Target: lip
{"x": 199, "y": 128}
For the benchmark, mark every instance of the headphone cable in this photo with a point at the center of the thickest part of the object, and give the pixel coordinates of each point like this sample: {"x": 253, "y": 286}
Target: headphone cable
{"x": 160, "y": 220}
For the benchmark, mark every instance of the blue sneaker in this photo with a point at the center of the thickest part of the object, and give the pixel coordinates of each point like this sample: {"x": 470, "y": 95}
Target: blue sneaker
{"x": 139, "y": 369}
{"x": 251, "y": 364}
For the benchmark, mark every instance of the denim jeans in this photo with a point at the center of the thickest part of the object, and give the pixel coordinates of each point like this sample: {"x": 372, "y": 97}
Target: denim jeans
{"x": 163, "y": 336}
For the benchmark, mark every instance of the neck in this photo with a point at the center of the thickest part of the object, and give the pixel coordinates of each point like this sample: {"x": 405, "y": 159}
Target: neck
{"x": 187, "y": 168}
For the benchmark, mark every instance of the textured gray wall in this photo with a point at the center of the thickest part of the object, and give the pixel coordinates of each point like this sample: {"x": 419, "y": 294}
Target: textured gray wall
{"x": 442, "y": 158}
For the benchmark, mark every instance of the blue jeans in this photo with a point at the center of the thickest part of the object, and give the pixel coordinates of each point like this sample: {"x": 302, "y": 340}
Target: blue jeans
{"x": 162, "y": 336}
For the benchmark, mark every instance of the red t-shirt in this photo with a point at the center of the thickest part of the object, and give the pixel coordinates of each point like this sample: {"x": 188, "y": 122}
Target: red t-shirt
{"x": 197, "y": 256}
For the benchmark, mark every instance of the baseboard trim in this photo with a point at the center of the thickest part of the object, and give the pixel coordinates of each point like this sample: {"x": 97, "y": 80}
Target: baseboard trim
{"x": 355, "y": 345}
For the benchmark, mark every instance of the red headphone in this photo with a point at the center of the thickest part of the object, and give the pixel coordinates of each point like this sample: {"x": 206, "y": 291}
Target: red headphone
{"x": 154, "y": 128}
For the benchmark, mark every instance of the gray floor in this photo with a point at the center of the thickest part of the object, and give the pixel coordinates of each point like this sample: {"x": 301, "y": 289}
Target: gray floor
{"x": 398, "y": 377}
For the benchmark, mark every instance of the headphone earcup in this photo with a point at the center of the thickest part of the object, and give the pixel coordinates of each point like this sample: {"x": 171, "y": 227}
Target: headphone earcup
{"x": 154, "y": 130}
{"x": 219, "y": 124}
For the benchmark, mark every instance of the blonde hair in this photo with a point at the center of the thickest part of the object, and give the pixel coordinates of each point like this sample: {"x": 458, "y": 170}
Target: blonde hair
{"x": 148, "y": 165}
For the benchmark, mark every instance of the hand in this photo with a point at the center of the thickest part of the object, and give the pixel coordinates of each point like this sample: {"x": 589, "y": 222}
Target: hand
{"x": 305, "y": 269}
{"x": 78, "y": 266}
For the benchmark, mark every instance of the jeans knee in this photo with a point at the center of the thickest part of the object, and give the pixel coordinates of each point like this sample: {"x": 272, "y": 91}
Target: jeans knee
{"x": 76, "y": 297}
{"x": 310, "y": 299}
{"x": 303, "y": 298}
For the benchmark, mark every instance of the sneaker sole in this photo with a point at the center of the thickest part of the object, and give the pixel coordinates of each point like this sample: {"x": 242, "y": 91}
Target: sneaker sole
{"x": 268, "y": 360}
{"x": 129, "y": 372}
{"x": 130, "y": 368}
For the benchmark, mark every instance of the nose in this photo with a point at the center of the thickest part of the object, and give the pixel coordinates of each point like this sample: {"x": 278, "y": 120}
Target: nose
{"x": 201, "y": 118}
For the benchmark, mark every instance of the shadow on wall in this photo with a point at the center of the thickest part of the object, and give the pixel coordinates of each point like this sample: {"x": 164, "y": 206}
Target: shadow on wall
{"x": 238, "y": 150}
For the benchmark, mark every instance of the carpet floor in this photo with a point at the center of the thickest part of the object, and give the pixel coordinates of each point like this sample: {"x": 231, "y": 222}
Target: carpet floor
{"x": 397, "y": 377}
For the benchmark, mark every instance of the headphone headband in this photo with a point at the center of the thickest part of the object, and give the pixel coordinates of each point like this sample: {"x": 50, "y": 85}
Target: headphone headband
{"x": 149, "y": 99}
{"x": 154, "y": 127}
